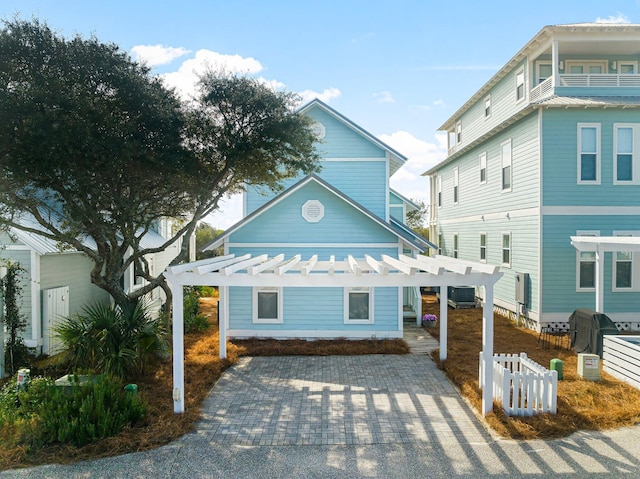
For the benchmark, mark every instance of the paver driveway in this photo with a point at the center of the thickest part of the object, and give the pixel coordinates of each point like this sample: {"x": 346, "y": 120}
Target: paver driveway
{"x": 304, "y": 400}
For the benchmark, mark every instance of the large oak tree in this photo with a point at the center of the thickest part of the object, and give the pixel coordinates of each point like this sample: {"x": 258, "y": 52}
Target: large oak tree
{"x": 92, "y": 145}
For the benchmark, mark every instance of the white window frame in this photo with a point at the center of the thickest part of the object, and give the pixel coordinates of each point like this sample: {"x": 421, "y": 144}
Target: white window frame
{"x": 635, "y": 267}
{"x": 483, "y": 167}
{"x": 267, "y": 289}
{"x": 483, "y": 248}
{"x": 620, "y": 64}
{"x": 456, "y": 186}
{"x": 506, "y": 161}
{"x": 347, "y": 292}
{"x": 440, "y": 244}
{"x": 586, "y": 64}
{"x": 456, "y": 245}
{"x": 580, "y": 289}
{"x": 539, "y": 78}
{"x": 502, "y": 249}
{"x": 635, "y": 155}
{"x": 582, "y": 126}
{"x": 439, "y": 192}
{"x": 521, "y": 81}
{"x": 458, "y": 132}
{"x": 487, "y": 106}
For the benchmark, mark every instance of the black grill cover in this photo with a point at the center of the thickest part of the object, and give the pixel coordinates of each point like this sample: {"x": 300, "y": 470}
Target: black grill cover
{"x": 587, "y": 330}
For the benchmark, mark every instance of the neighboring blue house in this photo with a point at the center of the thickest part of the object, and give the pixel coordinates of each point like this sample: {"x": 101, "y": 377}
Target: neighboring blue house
{"x": 348, "y": 209}
{"x": 547, "y": 149}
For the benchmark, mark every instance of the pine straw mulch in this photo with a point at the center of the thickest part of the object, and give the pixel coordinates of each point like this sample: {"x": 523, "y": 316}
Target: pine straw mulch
{"x": 582, "y": 404}
{"x": 202, "y": 369}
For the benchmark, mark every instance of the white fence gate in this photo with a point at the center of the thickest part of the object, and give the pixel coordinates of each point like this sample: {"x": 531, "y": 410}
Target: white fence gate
{"x": 55, "y": 306}
{"x": 524, "y": 386}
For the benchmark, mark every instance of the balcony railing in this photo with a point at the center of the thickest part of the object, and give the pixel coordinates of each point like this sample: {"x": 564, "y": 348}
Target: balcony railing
{"x": 585, "y": 80}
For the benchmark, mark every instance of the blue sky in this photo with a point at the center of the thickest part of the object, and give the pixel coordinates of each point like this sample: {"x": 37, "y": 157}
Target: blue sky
{"x": 397, "y": 68}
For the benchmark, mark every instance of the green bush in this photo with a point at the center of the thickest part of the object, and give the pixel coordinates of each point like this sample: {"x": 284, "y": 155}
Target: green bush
{"x": 90, "y": 412}
{"x": 46, "y": 414}
{"x": 193, "y": 321}
{"x": 109, "y": 340}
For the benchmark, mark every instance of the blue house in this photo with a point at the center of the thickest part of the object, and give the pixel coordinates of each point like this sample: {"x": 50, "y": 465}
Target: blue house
{"x": 347, "y": 210}
{"x": 546, "y": 150}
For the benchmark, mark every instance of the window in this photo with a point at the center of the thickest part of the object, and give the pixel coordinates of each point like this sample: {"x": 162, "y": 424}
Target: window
{"x": 625, "y": 275}
{"x": 267, "y": 305}
{"x": 626, "y": 162}
{"x": 483, "y": 168}
{"x": 458, "y": 132}
{"x": 544, "y": 71}
{"x": 590, "y": 67}
{"x": 588, "y": 153}
{"x": 483, "y": 247}
{"x": 586, "y": 265}
{"x": 439, "y": 191}
{"x": 627, "y": 68}
{"x": 455, "y": 245}
{"x": 487, "y": 107}
{"x": 520, "y": 85}
{"x": 455, "y": 186}
{"x": 506, "y": 249}
{"x": 440, "y": 244}
{"x": 505, "y": 155}
{"x": 358, "y": 306}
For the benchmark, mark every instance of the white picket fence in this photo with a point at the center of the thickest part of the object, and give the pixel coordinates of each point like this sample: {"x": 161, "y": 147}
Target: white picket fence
{"x": 524, "y": 386}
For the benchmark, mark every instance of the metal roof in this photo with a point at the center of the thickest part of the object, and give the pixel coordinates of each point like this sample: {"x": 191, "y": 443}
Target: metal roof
{"x": 599, "y": 101}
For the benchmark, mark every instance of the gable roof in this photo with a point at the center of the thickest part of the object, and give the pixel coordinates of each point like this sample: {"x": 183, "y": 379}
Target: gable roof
{"x": 409, "y": 238}
{"x": 396, "y": 159}
{"x": 411, "y": 204}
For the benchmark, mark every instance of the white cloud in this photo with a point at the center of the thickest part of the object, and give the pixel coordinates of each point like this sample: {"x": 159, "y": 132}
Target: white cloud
{"x": 154, "y": 55}
{"x": 620, "y": 18}
{"x": 229, "y": 213}
{"x": 438, "y": 102}
{"x": 384, "y": 97}
{"x": 421, "y": 156}
{"x": 326, "y": 95}
{"x": 186, "y": 77}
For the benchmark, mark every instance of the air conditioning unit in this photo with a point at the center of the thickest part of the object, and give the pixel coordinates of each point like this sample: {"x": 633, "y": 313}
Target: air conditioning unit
{"x": 462, "y": 294}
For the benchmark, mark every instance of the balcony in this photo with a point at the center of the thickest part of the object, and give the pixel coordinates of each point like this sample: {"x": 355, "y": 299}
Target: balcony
{"x": 594, "y": 84}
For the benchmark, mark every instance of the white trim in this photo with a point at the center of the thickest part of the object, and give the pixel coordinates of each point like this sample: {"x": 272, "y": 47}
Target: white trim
{"x": 585, "y": 63}
{"x": 481, "y": 157}
{"x": 539, "y": 256}
{"x": 620, "y": 63}
{"x": 520, "y": 72}
{"x": 486, "y": 238}
{"x": 456, "y": 245}
{"x": 538, "y": 79}
{"x": 456, "y": 185}
{"x": 329, "y": 160}
{"x": 578, "y": 261}
{"x": 591, "y": 210}
{"x": 522, "y": 213}
{"x": 315, "y": 246}
{"x": 580, "y": 127}
{"x": 506, "y": 161}
{"x": 16, "y": 247}
{"x": 439, "y": 191}
{"x": 458, "y": 134}
{"x": 312, "y": 211}
{"x": 359, "y": 289}
{"x": 635, "y": 262}
{"x": 487, "y": 99}
{"x": 254, "y": 307}
{"x": 387, "y": 192}
{"x": 36, "y": 313}
{"x": 635, "y": 154}
{"x": 313, "y": 334}
{"x": 502, "y": 249}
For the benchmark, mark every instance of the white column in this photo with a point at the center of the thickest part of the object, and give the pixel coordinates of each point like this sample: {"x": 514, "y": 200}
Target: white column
{"x": 487, "y": 349}
{"x": 178, "y": 349}
{"x": 599, "y": 279}
{"x": 419, "y": 308}
{"x": 444, "y": 296}
{"x": 223, "y": 315}
{"x": 555, "y": 59}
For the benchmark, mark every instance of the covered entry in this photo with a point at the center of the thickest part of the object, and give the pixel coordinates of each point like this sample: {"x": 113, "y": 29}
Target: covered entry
{"x": 280, "y": 271}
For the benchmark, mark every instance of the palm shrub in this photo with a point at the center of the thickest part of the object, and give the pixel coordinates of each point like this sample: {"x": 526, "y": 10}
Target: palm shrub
{"x": 109, "y": 339}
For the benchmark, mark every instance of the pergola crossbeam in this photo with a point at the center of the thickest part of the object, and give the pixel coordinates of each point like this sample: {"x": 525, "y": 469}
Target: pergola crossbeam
{"x": 376, "y": 265}
{"x": 398, "y": 265}
{"x": 269, "y": 264}
{"x": 308, "y": 266}
{"x": 242, "y": 265}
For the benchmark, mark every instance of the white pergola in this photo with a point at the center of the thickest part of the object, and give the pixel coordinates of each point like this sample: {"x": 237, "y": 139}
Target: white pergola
{"x": 281, "y": 271}
{"x": 601, "y": 245}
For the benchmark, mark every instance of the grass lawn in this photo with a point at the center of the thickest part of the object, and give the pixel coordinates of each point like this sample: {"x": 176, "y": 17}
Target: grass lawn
{"x": 582, "y": 404}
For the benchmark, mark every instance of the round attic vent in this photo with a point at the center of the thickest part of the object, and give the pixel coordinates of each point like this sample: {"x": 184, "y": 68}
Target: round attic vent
{"x": 313, "y": 211}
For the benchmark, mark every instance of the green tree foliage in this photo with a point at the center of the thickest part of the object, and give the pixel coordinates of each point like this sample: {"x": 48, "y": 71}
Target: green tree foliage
{"x": 94, "y": 146}
{"x": 16, "y": 352}
{"x": 205, "y": 233}
{"x": 108, "y": 339}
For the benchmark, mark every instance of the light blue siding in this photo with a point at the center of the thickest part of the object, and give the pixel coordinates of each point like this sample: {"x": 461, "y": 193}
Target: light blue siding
{"x": 560, "y": 159}
{"x": 23, "y": 257}
{"x": 314, "y": 309}
{"x": 283, "y": 222}
{"x": 559, "y": 264}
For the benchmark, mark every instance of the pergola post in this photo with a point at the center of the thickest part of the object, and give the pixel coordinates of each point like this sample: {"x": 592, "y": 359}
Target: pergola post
{"x": 178, "y": 349}
{"x": 444, "y": 299}
{"x": 487, "y": 349}
{"x": 599, "y": 279}
{"x": 223, "y": 301}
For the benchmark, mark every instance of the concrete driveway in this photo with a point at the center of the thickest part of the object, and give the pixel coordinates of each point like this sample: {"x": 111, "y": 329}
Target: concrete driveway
{"x": 353, "y": 417}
